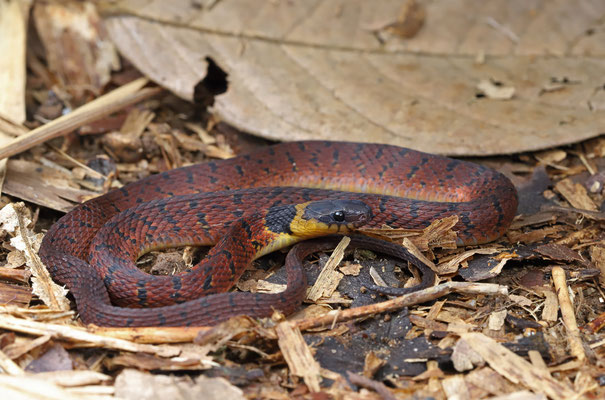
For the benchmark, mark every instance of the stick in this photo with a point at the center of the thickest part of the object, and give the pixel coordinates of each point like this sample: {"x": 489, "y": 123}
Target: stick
{"x": 418, "y": 297}
{"x": 567, "y": 312}
{"x": 111, "y": 102}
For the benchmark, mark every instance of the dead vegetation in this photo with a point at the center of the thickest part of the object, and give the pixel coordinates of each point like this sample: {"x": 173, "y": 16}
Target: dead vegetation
{"x": 519, "y": 318}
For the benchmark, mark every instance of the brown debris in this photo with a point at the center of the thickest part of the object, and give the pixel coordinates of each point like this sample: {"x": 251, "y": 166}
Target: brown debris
{"x": 298, "y": 356}
{"x": 438, "y": 234}
{"x": 78, "y": 50}
{"x": 130, "y": 93}
{"x": 15, "y": 275}
{"x": 126, "y": 144}
{"x": 328, "y": 279}
{"x": 597, "y": 255}
{"x": 79, "y": 335}
{"x": 13, "y": 294}
{"x": 575, "y": 194}
{"x": 136, "y": 385}
{"x": 418, "y": 297}
{"x": 366, "y": 382}
{"x": 515, "y": 368}
{"x": 43, "y": 185}
{"x": 560, "y": 253}
{"x": 568, "y": 314}
{"x": 121, "y": 135}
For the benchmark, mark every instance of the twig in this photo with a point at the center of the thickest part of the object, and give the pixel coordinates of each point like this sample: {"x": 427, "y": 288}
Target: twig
{"x": 567, "y": 312}
{"x": 151, "y": 335}
{"x": 418, "y": 297}
{"x": 91, "y": 172}
{"x": 111, "y": 102}
{"x": 80, "y": 335}
{"x": 368, "y": 383}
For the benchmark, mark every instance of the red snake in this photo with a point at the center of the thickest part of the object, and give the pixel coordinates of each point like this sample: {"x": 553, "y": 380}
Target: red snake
{"x": 241, "y": 204}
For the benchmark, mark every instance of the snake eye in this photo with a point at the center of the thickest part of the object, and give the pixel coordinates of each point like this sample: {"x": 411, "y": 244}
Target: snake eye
{"x": 338, "y": 216}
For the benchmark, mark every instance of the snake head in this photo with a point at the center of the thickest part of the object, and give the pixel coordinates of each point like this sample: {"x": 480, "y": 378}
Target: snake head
{"x": 330, "y": 216}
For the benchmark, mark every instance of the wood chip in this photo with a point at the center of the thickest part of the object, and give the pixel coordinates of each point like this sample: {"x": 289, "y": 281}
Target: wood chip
{"x": 14, "y": 17}
{"x": 465, "y": 358}
{"x": 551, "y": 157}
{"x": 496, "y": 320}
{"x": 298, "y": 356}
{"x": 329, "y": 277}
{"x": 150, "y": 335}
{"x": 535, "y": 235}
{"x": 13, "y": 274}
{"x": 13, "y": 294}
{"x": 438, "y": 234}
{"x": 516, "y": 369}
{"x": 451, "y": 266}
{"x": 78, "y": 52}
{"x": 350, "y": 269}
{"x": 455, "y": 387}
{"x": 575, "y": 194}
{"x": 18, "y": 349}
{"x": 489, "y": 381}
{"x": 372, "y": 363}
{"x": 536, "y": 359}
{"x": 427, "y": 323}
{"x": 132, "y": 384}
{"x": 521, "y": 395}
{"x": 559, "y": 252}
{"x": 74, "y": 378}
{"x": 411, "y": 247}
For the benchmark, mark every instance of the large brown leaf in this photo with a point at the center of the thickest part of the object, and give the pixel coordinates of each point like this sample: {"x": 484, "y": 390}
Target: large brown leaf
{"x": 478, "y": 78}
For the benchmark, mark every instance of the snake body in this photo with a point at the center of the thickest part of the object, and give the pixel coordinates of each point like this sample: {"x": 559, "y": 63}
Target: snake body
{"x": 92, "y": 248}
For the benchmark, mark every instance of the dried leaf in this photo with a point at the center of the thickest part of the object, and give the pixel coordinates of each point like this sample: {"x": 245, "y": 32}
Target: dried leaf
{"x": 27, "y": 242}
{"x": 78, "y": 51}
{"x": 317, "y": 71}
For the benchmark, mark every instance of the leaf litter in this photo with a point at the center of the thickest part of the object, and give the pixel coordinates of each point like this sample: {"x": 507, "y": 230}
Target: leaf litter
{"x": 460, "y": 338}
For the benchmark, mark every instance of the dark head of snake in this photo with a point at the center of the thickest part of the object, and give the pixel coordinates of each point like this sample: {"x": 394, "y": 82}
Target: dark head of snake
{"x": 337, "y": 214}
{"x": 316, "y": 218}
{"x": 293, "y": 223}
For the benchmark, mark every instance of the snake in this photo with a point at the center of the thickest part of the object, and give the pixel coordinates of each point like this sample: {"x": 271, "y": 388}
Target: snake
{"x": 248, "y": 206}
